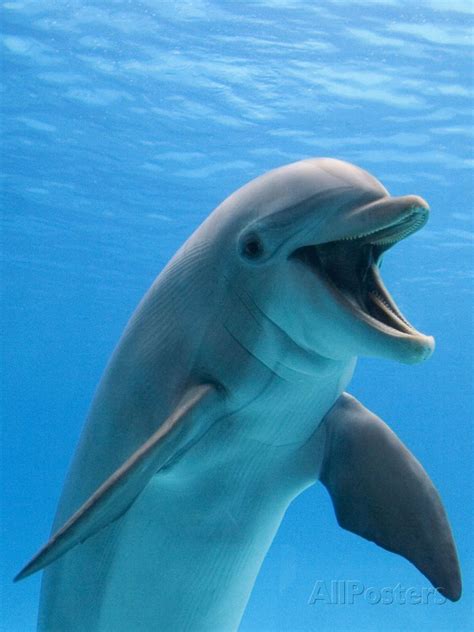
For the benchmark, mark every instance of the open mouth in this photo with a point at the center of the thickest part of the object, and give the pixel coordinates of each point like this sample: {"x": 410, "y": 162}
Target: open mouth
{"x": 350, "y": 268}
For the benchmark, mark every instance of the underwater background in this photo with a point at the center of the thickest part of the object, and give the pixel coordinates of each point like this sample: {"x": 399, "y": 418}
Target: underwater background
{"x": 123, "y": 125}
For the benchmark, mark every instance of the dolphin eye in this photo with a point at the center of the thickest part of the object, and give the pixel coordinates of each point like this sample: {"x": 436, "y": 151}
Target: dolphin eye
{"x": 252, "y": 248}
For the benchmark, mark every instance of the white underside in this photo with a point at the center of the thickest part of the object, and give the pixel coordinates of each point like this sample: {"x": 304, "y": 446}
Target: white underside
{"x": 186, "y": 555}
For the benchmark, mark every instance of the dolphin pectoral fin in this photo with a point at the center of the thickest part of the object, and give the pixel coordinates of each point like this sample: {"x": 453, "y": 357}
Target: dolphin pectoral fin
{"x": 381, "y": 492}
{"x": 115, "y": 496}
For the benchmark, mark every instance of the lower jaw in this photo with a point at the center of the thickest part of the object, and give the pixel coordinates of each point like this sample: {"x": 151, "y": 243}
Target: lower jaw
{"x": 367, "y": 327}
{"x": 392, "y": 338}
{"x": 408, "y": 346}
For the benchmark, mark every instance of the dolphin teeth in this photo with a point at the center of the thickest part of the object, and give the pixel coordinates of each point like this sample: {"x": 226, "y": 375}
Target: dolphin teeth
{"x": 354, "y": 237}
{"x": 380, "y": 298}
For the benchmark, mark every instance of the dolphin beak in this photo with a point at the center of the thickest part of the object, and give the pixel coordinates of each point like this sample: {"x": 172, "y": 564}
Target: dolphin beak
{"x": 385, "y": 221}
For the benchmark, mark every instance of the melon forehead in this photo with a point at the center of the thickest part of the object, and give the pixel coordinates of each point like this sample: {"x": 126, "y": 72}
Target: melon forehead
{"x": 292, "y": 184}
{"x": 327, "y": 173}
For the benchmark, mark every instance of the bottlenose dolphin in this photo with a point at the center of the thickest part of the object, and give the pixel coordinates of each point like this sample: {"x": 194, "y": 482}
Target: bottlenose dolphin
{"x": 224, "y": 399}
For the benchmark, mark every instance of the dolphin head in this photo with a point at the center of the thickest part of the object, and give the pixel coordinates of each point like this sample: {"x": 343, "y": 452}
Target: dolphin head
{"x": 308, "y": 241}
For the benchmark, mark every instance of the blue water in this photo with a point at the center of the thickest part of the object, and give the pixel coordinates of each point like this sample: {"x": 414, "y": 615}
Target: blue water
{"x": 124, "y": 125}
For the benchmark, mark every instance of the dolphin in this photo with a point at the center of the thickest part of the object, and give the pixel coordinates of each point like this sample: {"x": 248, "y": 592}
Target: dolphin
{"x": 225, "y": 399}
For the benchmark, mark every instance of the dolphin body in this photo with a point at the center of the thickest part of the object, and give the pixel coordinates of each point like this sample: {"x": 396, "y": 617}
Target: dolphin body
{"x": 224, "y": 399}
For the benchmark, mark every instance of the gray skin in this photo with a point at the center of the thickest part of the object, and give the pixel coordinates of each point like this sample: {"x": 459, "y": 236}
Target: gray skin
{"x": 225, "y": 399}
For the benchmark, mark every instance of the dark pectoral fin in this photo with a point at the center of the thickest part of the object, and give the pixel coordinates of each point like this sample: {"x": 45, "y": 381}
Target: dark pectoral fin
{"x": 381, "y": 492}
{"x": 119, "y": 491}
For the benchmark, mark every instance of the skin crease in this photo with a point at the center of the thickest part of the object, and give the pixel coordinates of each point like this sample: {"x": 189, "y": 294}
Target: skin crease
{"x": 282, "y": 345}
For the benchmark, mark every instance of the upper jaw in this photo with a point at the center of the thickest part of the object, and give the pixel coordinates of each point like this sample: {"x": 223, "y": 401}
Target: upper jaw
{"x": 384, "y": 221}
